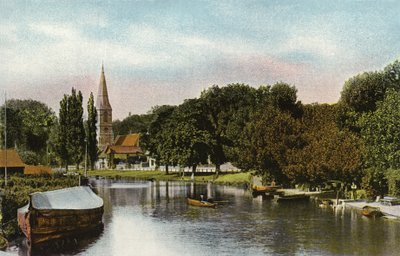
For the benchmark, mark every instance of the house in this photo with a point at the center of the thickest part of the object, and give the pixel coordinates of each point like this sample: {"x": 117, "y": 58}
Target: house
{"x": 126, "y": 150}
{"x": 9, "y": 158}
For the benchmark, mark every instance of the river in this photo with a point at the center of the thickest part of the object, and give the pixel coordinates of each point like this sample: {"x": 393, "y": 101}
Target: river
{"x": 153, "y": 218}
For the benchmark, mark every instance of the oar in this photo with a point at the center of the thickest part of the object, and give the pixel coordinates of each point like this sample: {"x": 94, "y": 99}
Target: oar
{"x": 221, "y": 201}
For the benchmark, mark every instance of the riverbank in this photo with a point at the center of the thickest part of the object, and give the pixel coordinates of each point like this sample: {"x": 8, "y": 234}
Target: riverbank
{"x": 387, "y": 210}
{"x": 241, "y": 178}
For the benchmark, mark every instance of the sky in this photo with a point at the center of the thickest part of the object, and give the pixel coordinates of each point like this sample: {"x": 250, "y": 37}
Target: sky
{"x": 162, "y": 52}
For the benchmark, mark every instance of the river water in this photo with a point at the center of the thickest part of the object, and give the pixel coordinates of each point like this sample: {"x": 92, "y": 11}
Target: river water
{"x": 153, "y": 218}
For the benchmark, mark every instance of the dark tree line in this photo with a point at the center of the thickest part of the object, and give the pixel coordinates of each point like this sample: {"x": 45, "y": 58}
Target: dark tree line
{"x": 265, "y": 129}
{"x": 41, "y": 138}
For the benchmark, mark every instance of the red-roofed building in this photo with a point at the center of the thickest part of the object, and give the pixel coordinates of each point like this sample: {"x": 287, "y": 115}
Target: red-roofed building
{"x": 11, "y": 159}
{"x": 125, "y": 149}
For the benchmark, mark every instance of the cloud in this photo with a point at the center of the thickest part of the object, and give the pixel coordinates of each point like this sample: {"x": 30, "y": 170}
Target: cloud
{"x": 8, "y": 33}
{"x": 319, "y": 45}
{"x": 60, "y": 31}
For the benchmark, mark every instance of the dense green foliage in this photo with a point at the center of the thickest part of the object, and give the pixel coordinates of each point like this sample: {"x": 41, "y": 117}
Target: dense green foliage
{"x": 381, "y": 133}
{"x": 91, "y": 132}
{"x": 132, "y": 124}
{"x": 28, "y": 127}
{"x": 71, "y": 133}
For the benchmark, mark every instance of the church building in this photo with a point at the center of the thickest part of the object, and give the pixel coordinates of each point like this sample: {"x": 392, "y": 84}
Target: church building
{"x": 105, "y": 135}
{"x": 124, "y": 146}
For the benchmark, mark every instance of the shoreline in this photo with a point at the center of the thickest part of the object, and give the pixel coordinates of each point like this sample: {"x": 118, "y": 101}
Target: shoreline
{"x": 225, "y": 178}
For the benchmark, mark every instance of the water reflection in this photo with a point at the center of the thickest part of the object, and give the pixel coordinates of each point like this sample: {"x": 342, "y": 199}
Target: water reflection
{"x": 149, "y": 218}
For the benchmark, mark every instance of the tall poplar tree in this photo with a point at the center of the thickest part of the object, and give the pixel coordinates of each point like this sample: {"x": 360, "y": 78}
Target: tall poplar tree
{"x": 71, "y": 136}
{"x": 76, "y": 134}
{"x": 91, "y": 132}
{"x": 62, "y": 138}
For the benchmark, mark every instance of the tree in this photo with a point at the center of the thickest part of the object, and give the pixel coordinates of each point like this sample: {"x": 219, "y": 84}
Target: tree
{"x": 14, "y": 127}
{"x": 91, "y": 132}
{"x": 362, "y": 92}
{"x": 392, "y": 74}
{"x": 76, "y": 134}
{"x": 157, "y": 140}
{"x": 71, "y": 135}
{"x": 381, "y": 133}
{"x": 324, "y": 151}
{"x": 31, "y": 122}
{"x": 284, "y": 97}
{"x": 132, "y": 124}
{"x": 225, "y": 109}
{"x": 62, "y": 136}
{"x": 266, "y": 140}
{"x": 189, "y": 137}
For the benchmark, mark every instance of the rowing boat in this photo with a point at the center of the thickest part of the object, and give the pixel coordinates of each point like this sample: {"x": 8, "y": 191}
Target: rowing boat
{"x": 200, "y": 203}
{"x": 371, "y": 211}
{"x": 264, "y": 189}
{"x": 60, "y": 213}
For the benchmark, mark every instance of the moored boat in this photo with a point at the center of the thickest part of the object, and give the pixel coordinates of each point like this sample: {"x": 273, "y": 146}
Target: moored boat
{"x": 264, "y": 189}
{"x": 200, "y": 203}
{"x": 371, "y": 211}
{"x": 60, "y": 213}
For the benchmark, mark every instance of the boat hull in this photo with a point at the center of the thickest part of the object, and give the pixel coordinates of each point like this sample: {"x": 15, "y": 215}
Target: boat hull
{"x": 264, "y": 189}
{"x": 44, "y": 225}
{"x": 199, "y": 203}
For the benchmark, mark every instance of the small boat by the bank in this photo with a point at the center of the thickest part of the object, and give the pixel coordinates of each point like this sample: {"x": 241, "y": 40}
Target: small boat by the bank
{"x": 371, "y": 211}
{"x": 60, "y": 213}
{"x": 201, "y": 203}
{"x": 293, "y": 197}
{"x": 264, "y": 189}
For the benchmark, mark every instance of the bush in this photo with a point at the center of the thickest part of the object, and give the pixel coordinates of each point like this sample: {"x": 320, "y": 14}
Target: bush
{"x": 374, "y": 182}
{"x": 393, "y": 180}
{"x": 29, "y": 157}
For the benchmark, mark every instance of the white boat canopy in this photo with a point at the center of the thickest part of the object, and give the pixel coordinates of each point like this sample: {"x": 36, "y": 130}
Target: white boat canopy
{"x": 74, "y": 198}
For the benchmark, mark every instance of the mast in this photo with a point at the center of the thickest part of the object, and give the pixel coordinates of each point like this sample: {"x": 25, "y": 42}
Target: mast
{"x": 5, "y": 138}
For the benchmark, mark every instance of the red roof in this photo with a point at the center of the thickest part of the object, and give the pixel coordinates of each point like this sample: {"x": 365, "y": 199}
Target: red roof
{"x": 127, "y": 140}
{"x": 122, "y": 150}
{"x": 13, "y": 159}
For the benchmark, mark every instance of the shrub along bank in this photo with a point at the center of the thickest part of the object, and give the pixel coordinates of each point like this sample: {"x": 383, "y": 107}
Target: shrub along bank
{"x": 223, "y": 178}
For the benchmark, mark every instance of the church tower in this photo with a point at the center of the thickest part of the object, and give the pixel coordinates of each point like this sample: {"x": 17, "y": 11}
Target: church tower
{"x": 104, "y": 114}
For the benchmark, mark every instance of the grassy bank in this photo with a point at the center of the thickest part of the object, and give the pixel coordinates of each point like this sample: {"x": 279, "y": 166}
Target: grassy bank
{"x": 224, "y": 178}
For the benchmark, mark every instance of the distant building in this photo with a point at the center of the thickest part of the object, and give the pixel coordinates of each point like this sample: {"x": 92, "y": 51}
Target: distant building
{"x": 125, "y": 152}
{"x": 14, "y": 163}
{"x": 104, "y": 115}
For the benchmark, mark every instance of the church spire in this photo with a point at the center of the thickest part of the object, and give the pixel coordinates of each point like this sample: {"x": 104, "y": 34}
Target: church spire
{"x": 104, "y": 114}
{"x": 102, "y": 95}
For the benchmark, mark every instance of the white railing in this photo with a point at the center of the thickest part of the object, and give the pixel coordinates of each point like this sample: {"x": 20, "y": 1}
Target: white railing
{"x": 175, "y": 169}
